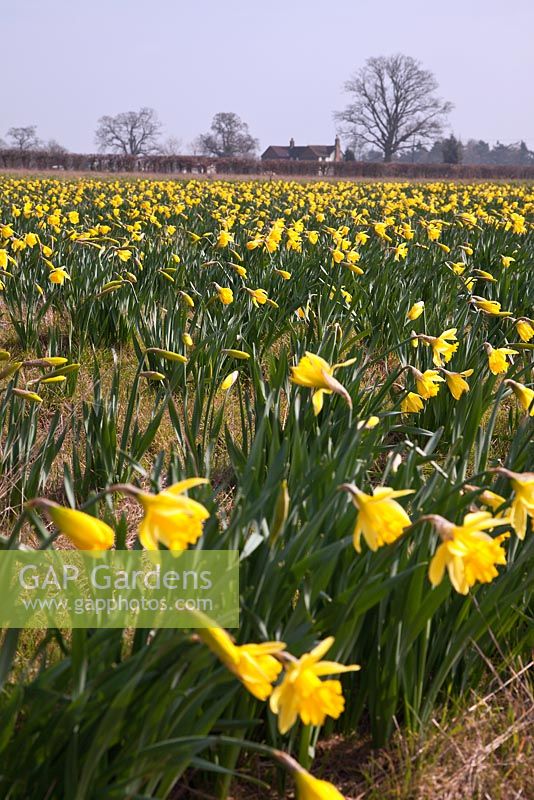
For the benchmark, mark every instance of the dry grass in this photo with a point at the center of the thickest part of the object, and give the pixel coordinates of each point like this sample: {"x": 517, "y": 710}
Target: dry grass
{"x": 262, "y": 177}
{"x": 483, "y": 751}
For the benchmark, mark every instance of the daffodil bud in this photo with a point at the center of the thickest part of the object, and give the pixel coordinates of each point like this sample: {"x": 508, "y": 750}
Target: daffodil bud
{"x": 24, "y": 394}
{"x": 281, "y": 512}
{"x": 168, "y": 355}
{"x": 240, "y": 354}
{"x": 229, "y": 381}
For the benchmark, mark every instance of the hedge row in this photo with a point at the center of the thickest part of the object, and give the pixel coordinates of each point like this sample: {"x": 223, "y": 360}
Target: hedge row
{"x": 75, "y": 162}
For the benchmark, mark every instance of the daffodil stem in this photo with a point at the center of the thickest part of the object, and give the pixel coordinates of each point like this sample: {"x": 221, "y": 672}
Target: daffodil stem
{"x": 304, "y": 747}
{"x": 231, "y": 754}
{"x": 383, "y": 355}
{"x": 283, "y": 758}
{"x": 123, "y": 488}
{"x": 472, "y": 479}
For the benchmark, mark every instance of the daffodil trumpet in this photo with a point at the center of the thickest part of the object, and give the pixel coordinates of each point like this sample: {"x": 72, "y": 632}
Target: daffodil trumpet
{"x": 314, "y": 372}
{"x": 466, "y": 551}
{"x": 171, "y": 518}
{"x": 380, "y": 519}
{"x": 524, "y": 394}
{"x": 522, "y": 506}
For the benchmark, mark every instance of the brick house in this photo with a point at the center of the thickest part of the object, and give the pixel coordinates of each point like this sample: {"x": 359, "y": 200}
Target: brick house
{"x": 308, "y": 152}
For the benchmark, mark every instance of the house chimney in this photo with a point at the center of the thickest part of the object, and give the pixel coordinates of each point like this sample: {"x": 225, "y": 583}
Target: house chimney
{"x": 337, "y": 151}
{"x": 292, "y": 142}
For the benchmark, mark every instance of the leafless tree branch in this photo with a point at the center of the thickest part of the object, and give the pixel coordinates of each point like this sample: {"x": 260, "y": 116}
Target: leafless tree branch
{"x": 130, "y": 132}
{"x": 24, "y": 138}
{"x": 394, "y": 103}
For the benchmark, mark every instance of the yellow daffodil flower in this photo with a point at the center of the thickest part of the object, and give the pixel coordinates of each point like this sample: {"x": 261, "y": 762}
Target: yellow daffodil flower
{"x": 497, "y": 358}
{"x": 456, "y": 382}
{"x": 225, "y": 294}
{"x": 84, "y": 531}
{"x": 380, "y": 230}
{"x": 241, "y": 271}
{"x": 412, "y": 403}
{"x": 443, "y": 346}
{"x": 489, "y": 499}
{"x": 31, "y": 239}
{"x": 525, "y": 329}
{"x": 490, "y": 307}
{"x": 171, "y": 518}
{"x": 224, "y": 239}
{"x": 427, "y": 382}
{"x": 58, "y": 276}
{"x": 400, "y": 251}
{"x": 517, "y": 222}
{"x": 338, "y": 256}
{"x": 368, "y": 424}
{"x": 303, "y": 694}
{"x": 487, "y": 276}
{"x": 253, "y": 664}
{"x": 523, "y": 501}
{"x": 310, "y": 788}
{"x": 416, "y": 310}
{"x": 283, "y": 274}
{"x": 303, "y": 313}
{"x": 314, "y": 372}
{"x": 468, "y": 553}
{"x": 380, "y": 518}
{"x": 259, "y": 296}
{"x": 524, "y": 394}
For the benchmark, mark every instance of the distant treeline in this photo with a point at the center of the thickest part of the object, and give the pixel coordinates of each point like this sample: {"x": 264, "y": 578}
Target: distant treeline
{"x": 205, "y": 165}
{"x": 475, "y": 151}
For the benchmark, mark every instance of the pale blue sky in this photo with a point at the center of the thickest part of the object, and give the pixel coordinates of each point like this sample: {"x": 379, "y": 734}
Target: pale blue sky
{"x": 279, "y": 64}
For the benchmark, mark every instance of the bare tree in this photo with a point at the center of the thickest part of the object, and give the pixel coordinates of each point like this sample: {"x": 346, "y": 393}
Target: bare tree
{"x": 393, "y": 105}
{"x": 171, "y": 147}
{"x": 54, "y": 148}
{"x": 228, "y": 136}
{"x": 24, "y": 138}
{"x": 131, "y": 132}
